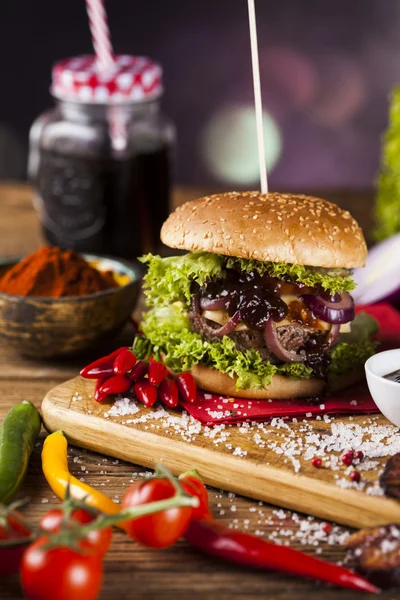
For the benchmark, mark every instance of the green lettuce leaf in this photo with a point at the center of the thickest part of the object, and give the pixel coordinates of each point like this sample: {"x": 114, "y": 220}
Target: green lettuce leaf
{"x": 354, "y": 348}
{"x": 167, "y": 328}
{"x": 387, "y": 213}
{"x": 362, "y": 327}
{"x": 331, "y": 280}
{"x": 169, "y": 279}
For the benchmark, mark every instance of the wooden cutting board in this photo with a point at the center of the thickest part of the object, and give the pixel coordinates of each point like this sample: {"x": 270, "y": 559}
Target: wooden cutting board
{"x": 243, "y": 460}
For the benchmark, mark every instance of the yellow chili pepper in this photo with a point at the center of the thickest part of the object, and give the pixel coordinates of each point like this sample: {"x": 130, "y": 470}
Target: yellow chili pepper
{"x": 55, "y": 469}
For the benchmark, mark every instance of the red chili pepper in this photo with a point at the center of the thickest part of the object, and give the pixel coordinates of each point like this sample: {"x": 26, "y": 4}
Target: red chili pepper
{"x": 102, "y": 367}
{"x": 242, "y": 548}
{"x": 168, "y": 393}
{"x": 124, "y": 362}
{"x": 139, "y": 370}
{"x": 187, "y": 387}
{"x": 157, "y": 372}
{"x": 216, "y": 539}
{"x": 98, "y": 394}
{"x": 145, "y": 392}
{"x": 117, "y": 384}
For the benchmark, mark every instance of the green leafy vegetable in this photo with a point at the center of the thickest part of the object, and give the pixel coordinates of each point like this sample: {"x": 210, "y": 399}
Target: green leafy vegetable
{"x": 169, "y": 279}
{"x": 347, "y": 357}
{"x": 388, "y": 192}
{"x": 362, "y": 327}
{"x": 331, "y": 280}
{"x": 168, "y": 287}
{"x": 354, "y": 348}
{"x": 167, "y": 328}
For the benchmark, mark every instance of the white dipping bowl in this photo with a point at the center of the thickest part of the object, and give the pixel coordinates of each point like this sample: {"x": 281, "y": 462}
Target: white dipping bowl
{"x": 386, "y": 393}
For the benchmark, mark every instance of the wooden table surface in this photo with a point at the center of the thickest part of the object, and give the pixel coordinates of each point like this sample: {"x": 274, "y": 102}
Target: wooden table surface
{"x": 130, "y": 570}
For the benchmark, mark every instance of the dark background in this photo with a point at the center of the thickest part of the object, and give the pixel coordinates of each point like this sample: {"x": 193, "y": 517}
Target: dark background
{"x": 327, "y": 70}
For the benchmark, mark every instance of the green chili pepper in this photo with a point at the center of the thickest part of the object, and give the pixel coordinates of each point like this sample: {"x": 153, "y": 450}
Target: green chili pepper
{"x": 17, "y": 437}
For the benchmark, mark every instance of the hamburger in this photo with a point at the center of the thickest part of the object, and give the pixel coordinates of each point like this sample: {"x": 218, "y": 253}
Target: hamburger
{"x": 259, "y": 305}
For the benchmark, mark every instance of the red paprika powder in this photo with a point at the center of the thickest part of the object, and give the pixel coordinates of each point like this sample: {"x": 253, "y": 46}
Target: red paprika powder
{"x": 55, "y": 273}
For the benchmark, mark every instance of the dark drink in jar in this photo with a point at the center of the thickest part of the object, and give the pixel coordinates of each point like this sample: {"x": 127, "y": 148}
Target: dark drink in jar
{"x": 105, "y": 205}
{"x": 102, "y": 170}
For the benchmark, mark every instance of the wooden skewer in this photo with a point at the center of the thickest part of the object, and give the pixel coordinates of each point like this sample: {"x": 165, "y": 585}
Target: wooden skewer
{"x": 257, "y": 96}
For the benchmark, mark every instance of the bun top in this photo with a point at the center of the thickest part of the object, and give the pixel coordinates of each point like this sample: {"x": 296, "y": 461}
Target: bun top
{"x": 271, "y": 227}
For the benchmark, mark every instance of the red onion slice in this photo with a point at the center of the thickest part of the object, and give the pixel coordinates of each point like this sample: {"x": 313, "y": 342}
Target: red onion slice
{"x": 332, "y": 336}
{"x": 331, "y": 312}
{"x": 225, "y": 329}
{"x": 213, "y": 303}
{"x": 229, "y": 326}
{"x": 220, "y": 331}
{"x": 273, "y": 343}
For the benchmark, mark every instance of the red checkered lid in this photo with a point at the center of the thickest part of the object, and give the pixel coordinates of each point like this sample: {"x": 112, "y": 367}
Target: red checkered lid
{"x": 131, "y": 79}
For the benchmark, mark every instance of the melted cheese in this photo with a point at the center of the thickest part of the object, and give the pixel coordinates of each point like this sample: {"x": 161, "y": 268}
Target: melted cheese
{"x": 345, "y": 328}
{"x": 221, "y": 317}
{"x": 288, "y": 298}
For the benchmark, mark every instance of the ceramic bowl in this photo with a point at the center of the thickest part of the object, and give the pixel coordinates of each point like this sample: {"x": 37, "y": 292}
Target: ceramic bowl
{"x": 51, "y": 327}
{"x": 386, "y": 393}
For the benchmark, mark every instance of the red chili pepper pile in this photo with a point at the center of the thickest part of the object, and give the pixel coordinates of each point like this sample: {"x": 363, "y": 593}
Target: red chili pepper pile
{"x": 121, "y": 373}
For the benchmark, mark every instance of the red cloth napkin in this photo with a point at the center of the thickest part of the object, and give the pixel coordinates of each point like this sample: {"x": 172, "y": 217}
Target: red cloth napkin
{"x": 212, "y": 409}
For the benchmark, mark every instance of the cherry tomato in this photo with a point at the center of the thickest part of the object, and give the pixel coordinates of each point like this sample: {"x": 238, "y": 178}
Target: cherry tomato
{"x": 14, "y": 538}
{"x": 97, "y": 542}
{"x": 195, "y": 487}
{"x": 59, "y": 573}
{"x": 161, "y": 529}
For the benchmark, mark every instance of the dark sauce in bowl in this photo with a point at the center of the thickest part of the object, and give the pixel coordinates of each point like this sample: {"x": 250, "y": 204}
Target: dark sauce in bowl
{"x": 393, "y": 376}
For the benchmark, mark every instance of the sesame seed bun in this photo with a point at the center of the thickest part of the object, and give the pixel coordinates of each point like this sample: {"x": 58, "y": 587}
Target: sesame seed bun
{"x": 271, "y": 227}
{"x": 281, "y": 388}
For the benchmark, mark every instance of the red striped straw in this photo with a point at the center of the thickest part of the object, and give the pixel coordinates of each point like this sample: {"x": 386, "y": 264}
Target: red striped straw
{"x": 100, "y": 31}
{"x": 101, "y": 40}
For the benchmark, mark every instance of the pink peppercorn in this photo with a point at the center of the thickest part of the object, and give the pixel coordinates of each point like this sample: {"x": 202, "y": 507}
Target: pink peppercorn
{"x": 326, "y": 527}
{"x": 348, "y": 457}
{"x": 359, "y": 455}
{"x": 316, "y": 462}
{"x": 355, "y": 476}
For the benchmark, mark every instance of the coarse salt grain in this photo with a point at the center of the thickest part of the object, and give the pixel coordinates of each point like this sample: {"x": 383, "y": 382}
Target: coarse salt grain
{"x": 122, "y": 407}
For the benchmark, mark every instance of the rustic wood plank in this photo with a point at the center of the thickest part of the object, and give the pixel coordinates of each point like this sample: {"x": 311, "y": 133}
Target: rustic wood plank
{"x": 19, "y": 227}
{"x": 178, "y": 570}
{"x": 258, "y": 472}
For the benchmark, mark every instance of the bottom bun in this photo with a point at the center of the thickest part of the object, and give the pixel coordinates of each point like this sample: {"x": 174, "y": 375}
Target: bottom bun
{"x": 280, "y": 388}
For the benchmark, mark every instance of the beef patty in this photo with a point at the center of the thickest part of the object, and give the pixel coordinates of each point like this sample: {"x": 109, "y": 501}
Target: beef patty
{"x": 292, "y": 337}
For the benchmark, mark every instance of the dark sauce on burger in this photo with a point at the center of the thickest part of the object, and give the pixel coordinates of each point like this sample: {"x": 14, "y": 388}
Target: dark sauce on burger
{"x": 258, "y": 297}
{"x": 255, "y": 296}
{"x": 299, "y": 313}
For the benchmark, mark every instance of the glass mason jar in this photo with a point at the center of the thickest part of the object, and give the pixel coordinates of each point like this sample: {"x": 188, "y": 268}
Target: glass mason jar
{"x": 100, "y": 161}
